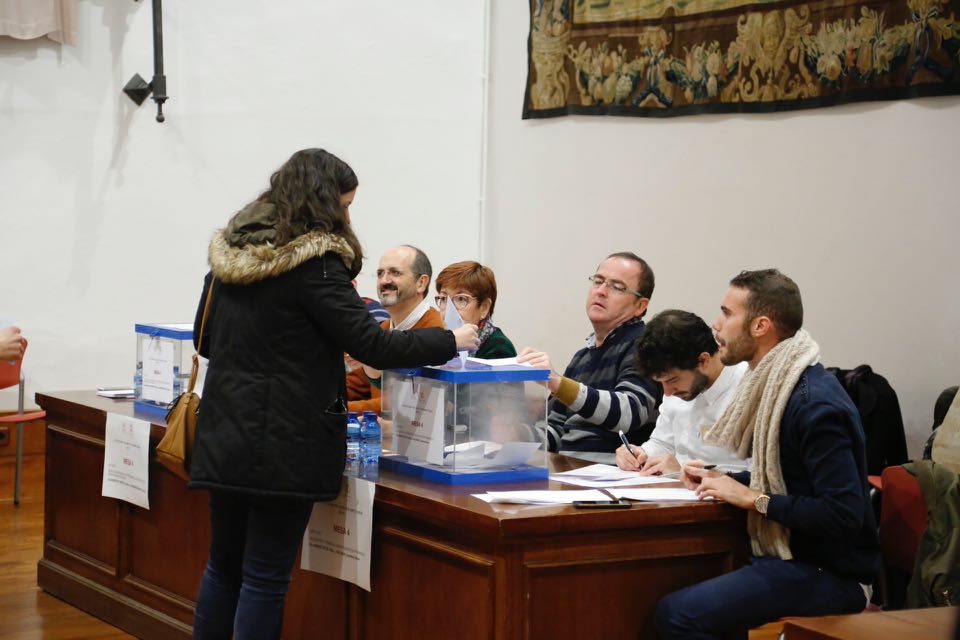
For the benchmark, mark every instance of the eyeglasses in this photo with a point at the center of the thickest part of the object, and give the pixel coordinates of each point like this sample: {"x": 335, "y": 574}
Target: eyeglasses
{"x": 393, "y": 273}
{"x": 461, "y": 301}
{"x": 597, "y": 281}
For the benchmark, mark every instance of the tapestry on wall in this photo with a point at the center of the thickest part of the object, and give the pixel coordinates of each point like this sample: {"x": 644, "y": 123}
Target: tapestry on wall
{"x": 682, "y": 57}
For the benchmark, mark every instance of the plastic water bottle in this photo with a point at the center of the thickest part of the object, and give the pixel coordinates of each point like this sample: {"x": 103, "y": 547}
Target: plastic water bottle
{"x": 353, "y": 444}
{"x": 370, "y": 443}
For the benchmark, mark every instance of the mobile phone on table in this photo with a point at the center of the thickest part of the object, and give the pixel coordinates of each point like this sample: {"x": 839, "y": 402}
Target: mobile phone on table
{"x": 601, "y": 504}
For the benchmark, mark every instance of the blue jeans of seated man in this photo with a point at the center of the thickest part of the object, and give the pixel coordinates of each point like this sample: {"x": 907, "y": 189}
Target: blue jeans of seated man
{"x": 253, "y": 546}
{"x": 764, "y": 590}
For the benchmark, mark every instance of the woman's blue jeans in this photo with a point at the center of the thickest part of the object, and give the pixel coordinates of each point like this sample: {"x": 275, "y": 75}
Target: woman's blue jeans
{"x": 254, "y": 543}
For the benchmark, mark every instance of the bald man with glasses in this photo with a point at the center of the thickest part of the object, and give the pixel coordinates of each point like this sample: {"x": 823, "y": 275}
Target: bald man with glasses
{"x": 600, "y": 393}
{"x": 403, "y": 282}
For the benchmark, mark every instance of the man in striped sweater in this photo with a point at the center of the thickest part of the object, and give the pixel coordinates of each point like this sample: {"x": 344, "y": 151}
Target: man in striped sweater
{"x": 600, "y": 393}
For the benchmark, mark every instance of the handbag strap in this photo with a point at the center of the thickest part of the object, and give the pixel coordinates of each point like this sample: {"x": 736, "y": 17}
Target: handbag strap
{"x": 203, "y": 324}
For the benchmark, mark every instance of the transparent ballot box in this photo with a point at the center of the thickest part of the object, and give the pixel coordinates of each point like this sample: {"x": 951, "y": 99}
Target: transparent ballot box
{"x": 466, "y": 423}
{"x": 164, "y": 359}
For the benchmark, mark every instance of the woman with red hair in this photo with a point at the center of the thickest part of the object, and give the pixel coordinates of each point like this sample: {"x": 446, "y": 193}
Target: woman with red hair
{"x": 472, "y": 289}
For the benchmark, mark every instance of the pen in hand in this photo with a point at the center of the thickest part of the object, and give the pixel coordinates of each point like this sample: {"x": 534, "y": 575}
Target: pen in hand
{"x": 695, "y": 479}
{"x": 626, "y": 443}
{"x": 676, "y": 474}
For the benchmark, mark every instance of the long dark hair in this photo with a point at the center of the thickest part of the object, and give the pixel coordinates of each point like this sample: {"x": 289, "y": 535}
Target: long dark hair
{"x": 306, "y": 193}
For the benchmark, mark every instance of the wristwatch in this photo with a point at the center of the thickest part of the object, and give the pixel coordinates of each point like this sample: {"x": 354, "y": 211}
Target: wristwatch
{"x": 761, "y": 504}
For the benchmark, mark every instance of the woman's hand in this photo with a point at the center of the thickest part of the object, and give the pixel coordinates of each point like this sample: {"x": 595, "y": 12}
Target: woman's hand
{"x": 12, "y": 344}
{"x": 466, "y": 336}
{"x": 351, "y": 362}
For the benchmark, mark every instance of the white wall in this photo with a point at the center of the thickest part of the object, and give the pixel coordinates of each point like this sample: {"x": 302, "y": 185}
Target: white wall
{"x": 105, "y": 214}
{"x": 858, "y": 204}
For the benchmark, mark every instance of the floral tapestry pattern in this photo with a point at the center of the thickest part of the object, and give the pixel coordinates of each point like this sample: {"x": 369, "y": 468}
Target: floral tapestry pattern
{"x": 682, "y": 57}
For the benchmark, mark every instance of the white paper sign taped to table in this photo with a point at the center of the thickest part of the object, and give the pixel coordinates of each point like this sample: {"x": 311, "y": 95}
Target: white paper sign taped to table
{"x": 126, "y": 460}
{"x": 338, "y": 538}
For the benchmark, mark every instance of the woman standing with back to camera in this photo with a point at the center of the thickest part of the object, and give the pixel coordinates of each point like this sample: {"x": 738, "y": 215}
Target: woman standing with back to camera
{"x": 271, "y": 433}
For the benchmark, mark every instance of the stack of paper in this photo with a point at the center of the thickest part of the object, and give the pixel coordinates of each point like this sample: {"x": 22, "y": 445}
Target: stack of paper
{"x": 593, "y": 495}
{"x": 658, "y": 495}
{"x": 497, "y": 362}
{"x": 604, "y": 475}
{"x": 483, "y": 454}
{"x": 115, "y": 392}
{"x": 542, "y": 497}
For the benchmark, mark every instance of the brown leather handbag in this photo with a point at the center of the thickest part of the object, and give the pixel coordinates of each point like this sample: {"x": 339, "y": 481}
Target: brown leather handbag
{"x": 174, "y": 449}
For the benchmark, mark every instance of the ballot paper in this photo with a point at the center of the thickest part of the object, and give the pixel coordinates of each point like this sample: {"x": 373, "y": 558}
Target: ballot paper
{"x": 657, "y": 495}
{"x": 596, "y": 473}
{"x": 452, "y": 320}
{"x": 499, "y": 362}
{"x": 543, "y": 497}
{"x": 490, "y": 455}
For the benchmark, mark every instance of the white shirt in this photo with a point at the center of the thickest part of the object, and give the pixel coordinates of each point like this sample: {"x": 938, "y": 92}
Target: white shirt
{"x": 413, "y": 317}
{"x": 679, "y": 424}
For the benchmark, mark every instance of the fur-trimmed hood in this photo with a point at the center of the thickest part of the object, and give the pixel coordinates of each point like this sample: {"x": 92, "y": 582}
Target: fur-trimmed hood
{"x": 243, "y": 252}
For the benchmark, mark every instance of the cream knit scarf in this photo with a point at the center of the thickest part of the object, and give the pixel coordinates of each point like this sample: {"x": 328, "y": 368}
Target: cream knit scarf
{"x": 752, "y": 422}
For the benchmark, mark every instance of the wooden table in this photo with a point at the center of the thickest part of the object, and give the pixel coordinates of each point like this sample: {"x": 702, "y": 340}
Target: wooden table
{"x": 445, "y": 564}
{"x": 916, "y": 624}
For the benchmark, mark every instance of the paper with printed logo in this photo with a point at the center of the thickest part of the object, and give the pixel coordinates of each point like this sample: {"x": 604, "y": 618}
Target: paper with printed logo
{"x": 157, "y": 370}
{"x": 418, "y": 421}
{"x": 338, "y": 538}
{"x": 126, "y": 460}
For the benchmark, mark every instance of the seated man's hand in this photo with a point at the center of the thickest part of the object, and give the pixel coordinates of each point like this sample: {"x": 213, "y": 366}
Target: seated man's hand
{"x": 719, "y": 486}
{"x": 372, "y": 373}
{"x": 540, "y": 360}
{"x": 693, "y": 473}
{"x": 660, "y": 465}
{"x": 631, "y": 460}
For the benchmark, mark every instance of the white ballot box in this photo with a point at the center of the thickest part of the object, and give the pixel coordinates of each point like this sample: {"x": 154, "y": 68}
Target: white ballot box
{"x": 466, "y": 422}
{"x": 164, "y": 358}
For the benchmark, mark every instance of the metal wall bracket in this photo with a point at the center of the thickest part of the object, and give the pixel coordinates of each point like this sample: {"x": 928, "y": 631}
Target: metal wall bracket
{"x": 137, "y": 89}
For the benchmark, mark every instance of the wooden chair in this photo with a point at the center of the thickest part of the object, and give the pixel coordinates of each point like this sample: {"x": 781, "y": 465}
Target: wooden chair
{"x": 10, "y": 375}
